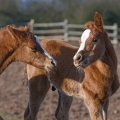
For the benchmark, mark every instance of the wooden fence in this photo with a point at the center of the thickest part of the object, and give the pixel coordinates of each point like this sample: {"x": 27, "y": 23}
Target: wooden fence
{"x": 68, "y": 32}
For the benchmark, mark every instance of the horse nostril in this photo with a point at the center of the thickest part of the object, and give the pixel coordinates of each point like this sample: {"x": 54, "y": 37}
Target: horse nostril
{"x": 79, "y": 57}
{"x": 53, "y": 63}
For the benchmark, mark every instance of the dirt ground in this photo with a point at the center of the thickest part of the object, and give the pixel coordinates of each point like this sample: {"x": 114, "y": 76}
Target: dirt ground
{"x": 14, "y": 97}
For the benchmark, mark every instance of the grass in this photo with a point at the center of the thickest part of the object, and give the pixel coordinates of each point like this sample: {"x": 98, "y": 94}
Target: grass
{"x": 6, "y": 116}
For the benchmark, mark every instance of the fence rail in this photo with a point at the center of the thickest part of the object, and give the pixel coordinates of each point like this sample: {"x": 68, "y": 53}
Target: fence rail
{"x": 68, "y": 32}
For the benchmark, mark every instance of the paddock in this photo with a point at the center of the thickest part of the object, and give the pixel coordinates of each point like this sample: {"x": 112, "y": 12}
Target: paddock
{"x": 14, "y": 97}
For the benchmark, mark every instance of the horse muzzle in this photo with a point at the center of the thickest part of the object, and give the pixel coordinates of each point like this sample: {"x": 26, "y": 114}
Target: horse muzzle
{"x": 80, "y": 62}
{"x": 51, "y": 66}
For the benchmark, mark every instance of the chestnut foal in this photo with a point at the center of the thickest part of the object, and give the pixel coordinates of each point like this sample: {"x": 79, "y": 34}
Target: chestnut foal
{"x": 93, "y": 76}
{"x": 19, "y": 44}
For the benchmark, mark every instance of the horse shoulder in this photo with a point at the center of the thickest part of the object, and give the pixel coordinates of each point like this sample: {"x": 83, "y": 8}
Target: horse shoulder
{"x": 52, "y": 46}
{"x": 96, "y": 83}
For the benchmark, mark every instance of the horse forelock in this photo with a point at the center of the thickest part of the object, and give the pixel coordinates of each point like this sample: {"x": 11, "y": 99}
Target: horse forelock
{"x": 91, "y": 25}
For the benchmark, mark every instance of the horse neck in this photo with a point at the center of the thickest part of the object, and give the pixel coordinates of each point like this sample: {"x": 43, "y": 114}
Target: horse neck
{"x": 6, "y": 63}
{"x": 108, "y": 61}
{"x": 110, "y": 52}
{"x": 7, "y": 48}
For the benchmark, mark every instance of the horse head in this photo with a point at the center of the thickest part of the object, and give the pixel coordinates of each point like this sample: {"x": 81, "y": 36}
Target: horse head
{"x": 29, "y": 50}
{"x": 92, "y": 43}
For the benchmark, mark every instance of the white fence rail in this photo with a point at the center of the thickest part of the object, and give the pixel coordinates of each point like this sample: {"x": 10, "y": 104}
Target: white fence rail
{"x": 68, "y": 32}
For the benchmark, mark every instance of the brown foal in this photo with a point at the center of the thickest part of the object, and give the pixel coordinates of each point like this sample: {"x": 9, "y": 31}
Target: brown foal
{"x": 93, "y": 76}
{"x": 19, "y": 44}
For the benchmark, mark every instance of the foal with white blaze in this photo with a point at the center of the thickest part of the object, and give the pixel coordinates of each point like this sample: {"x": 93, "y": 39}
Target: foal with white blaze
{"x": 97, "y": 56}
{"x": 93, "y": 76}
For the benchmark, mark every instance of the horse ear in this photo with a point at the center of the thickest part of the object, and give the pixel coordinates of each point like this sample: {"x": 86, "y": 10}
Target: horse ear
{"x": 98, "y": 21}
{"x": 15, "y": 33}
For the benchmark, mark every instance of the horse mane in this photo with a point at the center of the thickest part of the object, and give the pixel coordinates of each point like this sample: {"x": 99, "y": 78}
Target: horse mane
{"x": 4, "y": 31}
{"x": 110, "y": 50}
{"x": 25, "y": 79}
{"x": 21, "y": 28}
{"x": 90, "y": 25}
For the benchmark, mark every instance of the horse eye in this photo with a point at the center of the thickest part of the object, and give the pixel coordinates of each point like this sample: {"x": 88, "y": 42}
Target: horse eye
{"x": 94, "y": 40}
{"x": 34, "y": 49}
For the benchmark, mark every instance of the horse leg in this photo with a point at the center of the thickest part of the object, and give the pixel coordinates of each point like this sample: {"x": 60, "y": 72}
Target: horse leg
{"x": 105, "y": 109}
{"x": 95, "y": 109}
{"x": 64, "y": 104}
{"x": 38, "y": 87}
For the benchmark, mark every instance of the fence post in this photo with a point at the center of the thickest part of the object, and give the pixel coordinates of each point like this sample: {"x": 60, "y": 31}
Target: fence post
{"x": 115, "y": 33}
{"x": 65, "y": 30}
{"x": 30, "y": 25}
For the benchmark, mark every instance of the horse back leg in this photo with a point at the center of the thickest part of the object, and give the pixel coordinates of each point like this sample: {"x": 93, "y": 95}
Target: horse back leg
{"x": 64, "y": 104}
{"x": 38, "y": 87}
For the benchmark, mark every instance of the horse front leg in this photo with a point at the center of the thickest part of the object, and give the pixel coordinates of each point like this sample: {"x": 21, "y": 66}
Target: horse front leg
{"x": 64, "y": 103}
{"x": 38, "y": 87}
{"x": 105, "y": 109}
{"x": 95, "y": 109}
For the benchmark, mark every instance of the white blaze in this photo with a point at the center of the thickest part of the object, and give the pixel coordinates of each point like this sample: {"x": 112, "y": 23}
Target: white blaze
{"x": 84, "y": 37}
{"x": 46, "y": 53}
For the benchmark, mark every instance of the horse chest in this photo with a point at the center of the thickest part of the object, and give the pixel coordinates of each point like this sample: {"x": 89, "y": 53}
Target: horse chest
{"x": 75, "y": 91}
{"x": 67, "y": 86}
{"x": 97, "y": 86}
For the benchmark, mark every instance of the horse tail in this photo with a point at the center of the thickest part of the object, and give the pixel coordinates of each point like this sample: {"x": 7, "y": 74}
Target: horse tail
{"x": 25, "y": 79}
